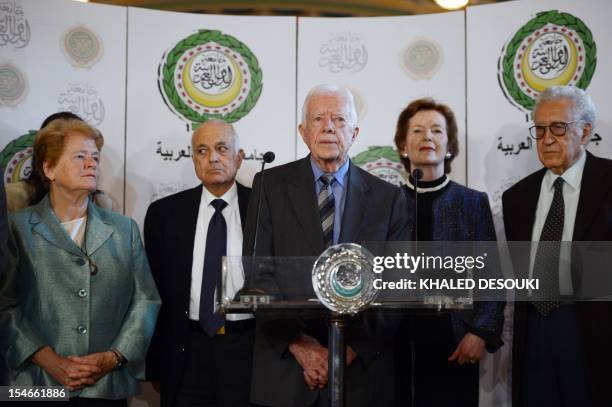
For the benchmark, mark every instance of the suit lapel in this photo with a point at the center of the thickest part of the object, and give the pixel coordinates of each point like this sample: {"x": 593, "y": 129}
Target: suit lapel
{"x": 354, "y": 206}
{"x": 243, "y": 202}
{"x": 592, "y": 192}
{"x": 187, "y": 223}
{"x": 98, "y": 231}
{"x": 529, "y": 205}
{"x": 302, "y": 195}
{"x": 184, "y": 239}
{"x": 48, "y": 226}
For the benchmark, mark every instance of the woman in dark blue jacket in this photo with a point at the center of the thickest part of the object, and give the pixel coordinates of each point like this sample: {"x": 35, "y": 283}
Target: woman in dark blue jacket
{"x": 438, "y": 354}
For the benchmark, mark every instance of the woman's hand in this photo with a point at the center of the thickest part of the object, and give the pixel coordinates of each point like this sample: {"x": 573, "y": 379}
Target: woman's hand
{"x": 105, "y": 361}
{"x": 72, "y": 374}
{"x": 470, "y": 350}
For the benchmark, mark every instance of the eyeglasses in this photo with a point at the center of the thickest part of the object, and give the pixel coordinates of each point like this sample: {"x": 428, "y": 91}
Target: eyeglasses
{"x": 557, "y": 129}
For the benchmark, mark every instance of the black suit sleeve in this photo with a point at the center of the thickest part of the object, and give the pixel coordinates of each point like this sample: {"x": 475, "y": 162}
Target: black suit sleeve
{"x": 374, "y": 331}
{"x": 153, "y": 237}
{"x": 399, "y": 228}
{"x": 488, "y": 317}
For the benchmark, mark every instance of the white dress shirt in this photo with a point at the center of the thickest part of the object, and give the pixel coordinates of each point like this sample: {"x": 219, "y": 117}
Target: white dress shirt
{"x": 233, "y": 280}
{"x": 572, "y": 178}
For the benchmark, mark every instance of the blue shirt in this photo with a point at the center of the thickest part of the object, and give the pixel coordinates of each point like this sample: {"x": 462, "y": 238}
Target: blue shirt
{"x": 338, "y": 187}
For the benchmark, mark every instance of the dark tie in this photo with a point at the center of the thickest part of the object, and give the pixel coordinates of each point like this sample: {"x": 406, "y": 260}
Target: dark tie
{"x": 546, "y": 264}
{"x": 216, "y": 248}
{"x": 326, "y": 209}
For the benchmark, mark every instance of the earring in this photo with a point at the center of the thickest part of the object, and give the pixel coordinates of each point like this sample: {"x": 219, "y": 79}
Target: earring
{"x": 404, "y": 154}
{"x": 448, "y": 155}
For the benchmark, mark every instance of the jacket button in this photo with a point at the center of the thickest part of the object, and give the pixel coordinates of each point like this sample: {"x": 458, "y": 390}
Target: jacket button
{"x": 79, "y": 261}
{"x": 82, "y": 330}
{"x": 82, "y": 293}
{"x": 182, "y": 349}
{"x": 186, "y": 312}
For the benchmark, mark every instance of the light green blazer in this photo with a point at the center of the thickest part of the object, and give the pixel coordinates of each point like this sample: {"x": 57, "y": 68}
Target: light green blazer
{"x": 49, "y": 297}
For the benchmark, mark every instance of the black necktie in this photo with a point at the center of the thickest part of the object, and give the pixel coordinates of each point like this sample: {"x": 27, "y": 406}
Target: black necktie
{"x": 327, "y": 206}
{"x": 546, "y": 264}
{"x": 216, "y": 248}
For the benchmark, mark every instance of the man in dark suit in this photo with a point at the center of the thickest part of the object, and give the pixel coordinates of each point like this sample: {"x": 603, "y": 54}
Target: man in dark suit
{"x": 561, "y": 348}
{"x": 198, "y": 356}
{"x": 308, "y": 205}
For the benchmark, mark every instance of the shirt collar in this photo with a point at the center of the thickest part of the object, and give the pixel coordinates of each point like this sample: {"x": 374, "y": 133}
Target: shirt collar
{"x": 230, "y": 196}
{"x": 339, "y": 175}
{"x": 572, "y": 176}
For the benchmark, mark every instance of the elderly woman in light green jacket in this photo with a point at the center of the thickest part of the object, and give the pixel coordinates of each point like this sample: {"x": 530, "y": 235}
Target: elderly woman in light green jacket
{"x": 78, "y": 304}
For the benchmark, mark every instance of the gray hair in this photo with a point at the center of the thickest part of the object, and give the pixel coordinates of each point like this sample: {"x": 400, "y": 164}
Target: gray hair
{"x": 235, "y": 137}
{"x": 583, "y": 107}
{"x": 334, "y": 90}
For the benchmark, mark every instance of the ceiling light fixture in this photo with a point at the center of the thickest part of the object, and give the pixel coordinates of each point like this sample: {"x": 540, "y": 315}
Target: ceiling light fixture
{"x": 452, "y": 4}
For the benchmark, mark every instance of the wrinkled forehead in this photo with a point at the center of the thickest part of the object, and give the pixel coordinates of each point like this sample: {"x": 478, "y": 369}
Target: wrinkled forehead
{"x": 328, "y": 103}
{"x": 213, "y": 134}
{"x": 561, "y": 109}
{"x": 79, "y": 141}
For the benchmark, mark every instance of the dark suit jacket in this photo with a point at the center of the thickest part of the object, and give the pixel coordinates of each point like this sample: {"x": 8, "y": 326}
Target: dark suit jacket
{"x": 290, "y": 226}
{"x": 593, "y": 223}
{"x": 3, "y": 260}
{"x": 464, "y": 214}
{"x": 169, "y": 230}
{"x": 3, "y": 230}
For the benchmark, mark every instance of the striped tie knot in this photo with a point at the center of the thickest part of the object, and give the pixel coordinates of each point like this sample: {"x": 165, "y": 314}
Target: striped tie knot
{"x": 327, "y": 180}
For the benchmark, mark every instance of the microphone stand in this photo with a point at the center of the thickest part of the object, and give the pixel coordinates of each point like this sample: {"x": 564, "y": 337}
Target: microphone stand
{"x": 247, "y": 294}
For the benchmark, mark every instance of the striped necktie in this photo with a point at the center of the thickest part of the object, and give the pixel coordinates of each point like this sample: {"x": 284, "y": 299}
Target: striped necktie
{"x": 326, "y": 208}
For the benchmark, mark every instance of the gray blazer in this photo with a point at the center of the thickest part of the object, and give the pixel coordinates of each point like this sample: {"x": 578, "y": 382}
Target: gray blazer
{"x": 50, "y": 298}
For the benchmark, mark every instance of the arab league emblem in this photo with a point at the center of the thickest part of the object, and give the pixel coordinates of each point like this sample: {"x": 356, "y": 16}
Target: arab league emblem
{"x": 16, "y": 158}
{"x": 383, "y": 162}
{"x": 210, "y": 75}
{"x": 82, "y": 47}
{"x": 13, "y": 85}
{"x": 421, "y": 59}
{"x": 552, "y": 49}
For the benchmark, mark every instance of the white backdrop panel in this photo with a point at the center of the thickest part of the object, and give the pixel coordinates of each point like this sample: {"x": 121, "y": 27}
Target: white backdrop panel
{"x": 369, "y": 55}
{"x": 91, "y": 84}
{"x": 268, "y": 126}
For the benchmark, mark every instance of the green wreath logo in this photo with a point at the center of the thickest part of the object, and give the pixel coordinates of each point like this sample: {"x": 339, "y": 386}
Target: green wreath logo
{"x": 384, "y": 162}
{"x": 553, "y": 48}
{"x": 210, "y": 75}
{"x": 16, "y": 158}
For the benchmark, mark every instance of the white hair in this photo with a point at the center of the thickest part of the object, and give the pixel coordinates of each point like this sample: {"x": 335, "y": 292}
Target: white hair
{"x": 582, "y": 104}
{"x": 235, "y": 137}
{"x": 334, "y": 90}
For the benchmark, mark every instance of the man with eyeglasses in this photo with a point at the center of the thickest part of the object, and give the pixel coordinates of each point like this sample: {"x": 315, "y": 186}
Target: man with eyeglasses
{"x": 561, "y": 348}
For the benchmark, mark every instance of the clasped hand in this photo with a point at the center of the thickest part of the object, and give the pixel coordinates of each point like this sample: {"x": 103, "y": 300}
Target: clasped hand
{"x": 313, "y": 358}
{"x": 75, "y": 372}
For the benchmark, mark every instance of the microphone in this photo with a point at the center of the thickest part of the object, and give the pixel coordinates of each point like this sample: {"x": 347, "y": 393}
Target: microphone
{"x": 247, "y": 291}
{"x": 417, "y": 174}
{"x": 267, "y": 158}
